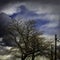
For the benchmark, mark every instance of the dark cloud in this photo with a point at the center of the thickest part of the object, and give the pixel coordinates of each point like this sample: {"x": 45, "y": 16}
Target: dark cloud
{"x": 5, "y": 20}
{"x": 3, "y": 2}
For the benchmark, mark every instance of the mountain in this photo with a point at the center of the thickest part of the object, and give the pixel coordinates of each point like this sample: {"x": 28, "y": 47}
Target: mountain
{"x": 5, "y": 20}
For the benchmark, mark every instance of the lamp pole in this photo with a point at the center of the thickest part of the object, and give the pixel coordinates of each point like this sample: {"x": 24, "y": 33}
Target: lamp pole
{"x": 55, "y": 47}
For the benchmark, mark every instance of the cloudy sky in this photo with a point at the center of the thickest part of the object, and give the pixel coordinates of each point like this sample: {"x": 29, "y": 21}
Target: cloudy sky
{"x": 45, "y": 12}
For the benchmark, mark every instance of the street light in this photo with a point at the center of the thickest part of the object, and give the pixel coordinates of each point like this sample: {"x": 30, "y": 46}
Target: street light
{"x": 55, "y": 47}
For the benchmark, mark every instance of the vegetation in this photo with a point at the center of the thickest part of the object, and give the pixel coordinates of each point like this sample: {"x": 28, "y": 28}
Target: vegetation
{"x": 25, "y": 36}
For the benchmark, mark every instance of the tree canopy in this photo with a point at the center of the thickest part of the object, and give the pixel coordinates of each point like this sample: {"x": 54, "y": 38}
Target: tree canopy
{"x": 25, "y": 36}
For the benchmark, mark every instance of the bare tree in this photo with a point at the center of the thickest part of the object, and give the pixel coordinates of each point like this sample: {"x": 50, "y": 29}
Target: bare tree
{"x": 28, "y": 41}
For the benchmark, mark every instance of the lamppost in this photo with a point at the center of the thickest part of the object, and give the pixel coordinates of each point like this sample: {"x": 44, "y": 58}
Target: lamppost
{"x": 55, "y": 47}
{"x": 56, "y": 40}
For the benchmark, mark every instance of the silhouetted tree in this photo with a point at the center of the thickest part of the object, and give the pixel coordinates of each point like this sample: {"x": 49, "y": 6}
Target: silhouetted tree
{"x": 26, "y": 37}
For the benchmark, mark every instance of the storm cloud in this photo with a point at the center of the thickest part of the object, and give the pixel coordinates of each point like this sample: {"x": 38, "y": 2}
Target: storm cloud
{"x": 44, "y": 9}
{"x": 4, "y": 2}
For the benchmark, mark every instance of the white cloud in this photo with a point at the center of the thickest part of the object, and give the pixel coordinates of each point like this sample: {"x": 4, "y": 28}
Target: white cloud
{"x": 50, "y": 25}
{"x": 50, "y": 38}
{"x": 9, "y": 11}
{"x": 52, "y": 17}
{"x": 50, "y": 28}
{"x": 11, "y": 8}
{"x": 46, "y": 8}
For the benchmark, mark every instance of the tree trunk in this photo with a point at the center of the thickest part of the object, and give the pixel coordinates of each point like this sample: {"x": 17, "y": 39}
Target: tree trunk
{"x": 33, "y": 56}
{"x": 51, "y": 58}
{"x": 23, "y": 57}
